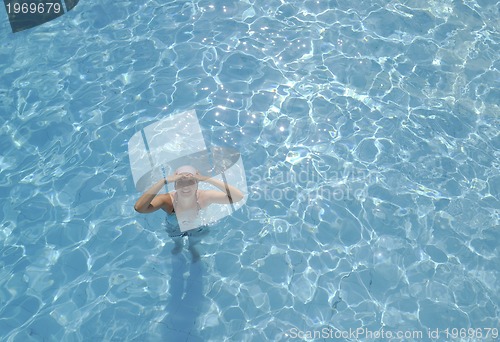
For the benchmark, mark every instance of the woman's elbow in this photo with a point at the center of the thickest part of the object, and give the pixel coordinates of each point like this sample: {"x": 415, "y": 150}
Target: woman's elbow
{"x": 237, "y": 197}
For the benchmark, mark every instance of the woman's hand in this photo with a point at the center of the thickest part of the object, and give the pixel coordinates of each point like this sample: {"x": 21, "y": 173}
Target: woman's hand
{"x": 200, "y": 178}
{"x": 186, "y": 176}
{"x": 174, "y": 178}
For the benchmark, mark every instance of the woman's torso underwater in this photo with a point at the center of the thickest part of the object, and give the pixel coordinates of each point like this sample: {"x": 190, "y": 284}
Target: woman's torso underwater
{"x": 192, "y": 219}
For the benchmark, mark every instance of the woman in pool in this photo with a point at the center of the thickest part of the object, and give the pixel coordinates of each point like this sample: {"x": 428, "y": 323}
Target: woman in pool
{"x": 184, "y": 204}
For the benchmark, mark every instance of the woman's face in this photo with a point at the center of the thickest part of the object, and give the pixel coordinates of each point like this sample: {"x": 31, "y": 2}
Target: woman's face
{"x": 187, "y": 185}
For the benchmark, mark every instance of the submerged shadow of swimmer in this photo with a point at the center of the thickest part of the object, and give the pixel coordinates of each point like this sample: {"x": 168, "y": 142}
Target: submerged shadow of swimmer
{"x": 185, "y": 303}
{"x": 184, "y": 204}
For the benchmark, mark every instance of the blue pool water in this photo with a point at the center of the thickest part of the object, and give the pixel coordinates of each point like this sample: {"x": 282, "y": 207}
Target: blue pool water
{"x": 369, "y": 131}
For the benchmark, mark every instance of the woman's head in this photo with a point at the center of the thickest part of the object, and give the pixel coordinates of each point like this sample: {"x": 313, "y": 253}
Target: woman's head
{"x": 187, "y": 184}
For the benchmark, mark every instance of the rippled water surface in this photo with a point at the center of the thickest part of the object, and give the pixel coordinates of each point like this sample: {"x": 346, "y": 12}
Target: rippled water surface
{"x": 369, "y": 131}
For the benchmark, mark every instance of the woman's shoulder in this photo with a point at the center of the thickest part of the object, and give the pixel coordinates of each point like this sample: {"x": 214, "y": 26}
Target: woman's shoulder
{"x": 167, "y": 201}
{"x": 203, "y": 197}
{"x": 200, "y": 197}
